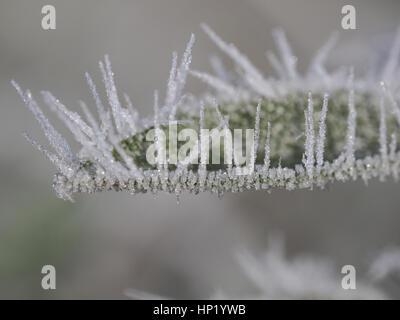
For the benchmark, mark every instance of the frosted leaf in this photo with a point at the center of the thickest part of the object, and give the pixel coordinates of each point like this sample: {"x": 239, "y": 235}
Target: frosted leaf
{"x": 113, "y": 150}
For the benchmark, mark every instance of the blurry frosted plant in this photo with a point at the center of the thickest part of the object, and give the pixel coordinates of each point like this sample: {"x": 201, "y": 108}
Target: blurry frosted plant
{"x": 387, "y": 263}
{"x": 309, "y": 129}
{"x": 273, "y": 275}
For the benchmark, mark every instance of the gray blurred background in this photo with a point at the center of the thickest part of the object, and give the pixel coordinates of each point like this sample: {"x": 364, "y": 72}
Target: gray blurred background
{"x": 105, "y": 243}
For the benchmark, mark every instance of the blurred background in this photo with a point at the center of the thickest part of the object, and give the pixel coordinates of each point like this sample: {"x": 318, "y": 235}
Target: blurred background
{"x": 105, "y": 243}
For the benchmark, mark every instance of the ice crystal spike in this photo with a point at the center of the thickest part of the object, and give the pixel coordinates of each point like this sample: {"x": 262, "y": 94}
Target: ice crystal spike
{"x": 289, "y": 60}
{"x": 309, "y": 132}
{"x": 55, "y": 138}
{"x": 316, "y": 68}
{"x": 251, "y": 75}
{"x": 351, "y": 122}
{"x": 218, "y": 84}
{"x": 300, "y": 137}
{"x": 322, "y": 135}
{"x": 267, "y": 156}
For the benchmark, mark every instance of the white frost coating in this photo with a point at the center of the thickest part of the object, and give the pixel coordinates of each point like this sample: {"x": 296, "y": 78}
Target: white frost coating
{"x": 133, "y": 170}
{"x": 132, "y": 117}
{"x": 322, "y": 134}
{"x": 59, "y": 163}
{"x": 59, "y": 144}
{"x": 171, "y": 86}
{"x": 288, "y": 59}
{"x": 351, "y": 123}
{"x": 216, "y": 83}
{"x": 73, "y": 116}
{"x": 108, "y": 79}
{"x": 121, "y": 115}
{"x": 104, "y": 116}
{"x": 223, "y": 121}
{"x": 228, "y": 145}
{"x": 183, "y": 69}
{"x": 177, "y": 79}
{"x": 89, "y": 116}
{"x": 310, "y": 137}
{"x": 203, "y": 142}
{"x": 224, "y": 125}
{"x": 256, "y": 136}
{"x": 253, "y": 77}
{"x": 267, "y": 158}
{"x": 79, "y": 135}
{"x": 219, "y": 114}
